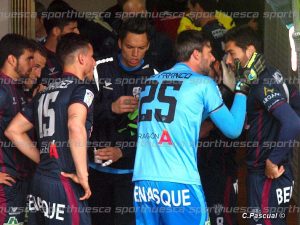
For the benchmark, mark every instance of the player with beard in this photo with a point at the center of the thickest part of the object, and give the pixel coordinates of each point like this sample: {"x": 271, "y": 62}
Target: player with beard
{"x": 172, "y": 106}
{"x": 62, "y": 115}
{"x": 16, "y": 61}
{"x": 273, "y": 124}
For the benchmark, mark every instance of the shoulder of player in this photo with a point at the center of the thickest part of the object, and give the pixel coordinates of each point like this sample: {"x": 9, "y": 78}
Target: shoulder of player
{"x": 270, "y": 81}
{"x": 271, "y": 76}
{"x": 5, "y": 95}
{"x": 148, "y": 69}
{"x": 5, "y": 88}
{"x": 105, "y": 61}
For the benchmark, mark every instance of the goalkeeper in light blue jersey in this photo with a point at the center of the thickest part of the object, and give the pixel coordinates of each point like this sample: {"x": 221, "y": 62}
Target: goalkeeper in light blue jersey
{"x": 172, "y": 106}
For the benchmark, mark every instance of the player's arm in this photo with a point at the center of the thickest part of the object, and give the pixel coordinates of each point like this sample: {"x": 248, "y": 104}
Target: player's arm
{"x": 289, "y": 130}
{"x": 105, "y": 107}
{"x": 16, "y": 132}
{"x": 230, "y": 123}
{"x": 77, "y": 114}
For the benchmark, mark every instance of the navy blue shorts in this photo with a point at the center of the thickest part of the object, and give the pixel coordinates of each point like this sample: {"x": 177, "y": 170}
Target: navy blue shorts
{"x": 55, "y": 201}
{"x": 13, "y": 202}
{"x": 269, "y": 199}
{"x": 221, "y": 194}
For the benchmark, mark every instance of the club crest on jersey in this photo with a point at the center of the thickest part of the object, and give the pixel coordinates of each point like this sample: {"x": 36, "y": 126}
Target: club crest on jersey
{"x": 268, "y": 91}
{"x": 165, "y": 138}
{"x": 278, "y": 77}
{"x": 88, "y": 98}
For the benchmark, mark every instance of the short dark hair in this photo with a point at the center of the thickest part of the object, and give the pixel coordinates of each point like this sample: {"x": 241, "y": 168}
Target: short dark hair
{"x": 136, "y": 25}
{"x": 187, "y": 41}
{"x": 59, "y": 14}
{"x": 37, "y": 47}
{"x": 39, "y": 9}
{"x": 13, "y": 44}
{"x": 69, "y": 44}
{"x": 207, "y": 5}
{"x": 243, "y": 36}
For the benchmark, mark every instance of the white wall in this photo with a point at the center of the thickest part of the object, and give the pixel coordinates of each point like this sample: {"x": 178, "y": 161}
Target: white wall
{"x": 4, "y": 20}
{"x": 86, "y": 5}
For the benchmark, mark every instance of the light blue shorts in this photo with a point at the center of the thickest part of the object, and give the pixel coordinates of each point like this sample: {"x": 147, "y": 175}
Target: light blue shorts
{"x": 167, "y": 203}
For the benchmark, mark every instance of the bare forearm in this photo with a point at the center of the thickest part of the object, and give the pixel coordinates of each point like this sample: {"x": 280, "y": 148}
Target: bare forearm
{"x": 78, "y": 145}
{"x": 25, "y": 145}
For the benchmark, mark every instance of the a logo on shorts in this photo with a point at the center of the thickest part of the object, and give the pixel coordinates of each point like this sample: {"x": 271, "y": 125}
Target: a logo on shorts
{"x": 14, "y": 221}
{"x": 218, "y": 208}
{"x": 14, "y": 211}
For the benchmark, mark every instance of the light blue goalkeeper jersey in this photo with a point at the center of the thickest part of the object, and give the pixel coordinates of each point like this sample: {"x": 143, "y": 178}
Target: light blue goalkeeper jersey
{"x": 172, "y": 106}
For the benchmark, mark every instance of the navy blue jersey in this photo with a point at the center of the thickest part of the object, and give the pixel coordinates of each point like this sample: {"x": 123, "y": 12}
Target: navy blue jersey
{"x": 114, "y": 81}
{"x": 52, "y": 69}
{"x": 264, "y": 128}
{"x": 12, "y": 99}
{"x": 50, "y": 114}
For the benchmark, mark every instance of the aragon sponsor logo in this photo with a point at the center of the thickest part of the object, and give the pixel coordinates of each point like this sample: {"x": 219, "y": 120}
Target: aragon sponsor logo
{"x": 270, "y": 97}
{"x": 148, "y": 136}
{"x": 13, "y": 221}
{"x": 165, "y": 138}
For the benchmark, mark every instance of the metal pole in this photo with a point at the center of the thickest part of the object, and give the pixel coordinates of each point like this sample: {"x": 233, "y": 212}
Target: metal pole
{"x": 296, "y": 36}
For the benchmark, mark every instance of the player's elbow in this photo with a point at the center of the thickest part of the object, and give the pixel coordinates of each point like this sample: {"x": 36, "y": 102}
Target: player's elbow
{"x": 233, "y": 133}
{"x": 10, "y": 132}
{"x": 76, "y": 128}
{"x": 294, "y": 127}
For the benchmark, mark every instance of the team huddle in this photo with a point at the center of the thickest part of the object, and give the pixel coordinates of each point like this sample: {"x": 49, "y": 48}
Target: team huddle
{"x": 115, "y": 139}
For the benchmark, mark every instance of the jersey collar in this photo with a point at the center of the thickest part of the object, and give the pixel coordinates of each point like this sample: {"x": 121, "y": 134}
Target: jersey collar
{"x": 129, "y": 69}
{"x": 67, "y": 74}
{"x": 7, "y": 78}
{"x": 181, "y": 66}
